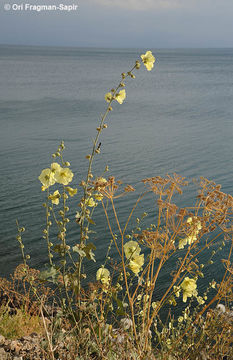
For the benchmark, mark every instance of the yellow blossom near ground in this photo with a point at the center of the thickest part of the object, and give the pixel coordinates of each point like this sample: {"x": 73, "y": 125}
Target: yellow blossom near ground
{"x": 131, "y": 248}
{"x": 71, "y": 191}
{"x": 136, "y": 263}
{"x": 132, "y": 252}
{"x": 46, "y": 178}
{"x": 63, "y": 176}
{"x": 103, "y": 275}
{"x": 90, "y": 202}
{"x": 120, "y": 97}
{"x": 55, "y": 197}
{"x": 195, "y": 226}
{"x": 148, "y": 60}
{"x": 188, "y": 287}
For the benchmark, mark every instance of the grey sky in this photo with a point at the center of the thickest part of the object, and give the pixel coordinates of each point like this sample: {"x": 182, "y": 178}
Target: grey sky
{"x": 121, "y": 23}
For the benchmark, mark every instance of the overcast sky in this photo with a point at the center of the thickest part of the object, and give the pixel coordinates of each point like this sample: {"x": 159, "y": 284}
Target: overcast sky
{"x": 120, "y": 23}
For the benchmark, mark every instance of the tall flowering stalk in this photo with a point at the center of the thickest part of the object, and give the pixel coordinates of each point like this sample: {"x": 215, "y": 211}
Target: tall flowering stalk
{"x": 61, "y": 174}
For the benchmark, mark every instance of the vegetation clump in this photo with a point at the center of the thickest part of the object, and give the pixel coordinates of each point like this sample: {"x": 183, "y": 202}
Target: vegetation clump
{"x": 123, "y": 313}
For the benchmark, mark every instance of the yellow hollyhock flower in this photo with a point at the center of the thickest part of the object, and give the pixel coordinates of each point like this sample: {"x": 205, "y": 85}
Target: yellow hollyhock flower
{"x": 55, "y": 167}
{"x": 63, "y": 176}
{"x": 55, "y": 197}
{"x": 90, "y": 202}
{"x": 108, "y": 97}
{"x": 103, "y": 275}
{"x": 71, "y": 191}
{"x": 136, "y": 263}
{"x": 120, "y": 97}
{"x": 188, "y": 287}
{"x": 131, "y": 249}
{"x": 46, "y": 178}
{"x": 195, "y": 227}
{"x": 148, "y": 60}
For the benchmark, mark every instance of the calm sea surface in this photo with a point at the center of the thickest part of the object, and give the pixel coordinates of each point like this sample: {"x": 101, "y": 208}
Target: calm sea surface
{"x": 176, "y": 118}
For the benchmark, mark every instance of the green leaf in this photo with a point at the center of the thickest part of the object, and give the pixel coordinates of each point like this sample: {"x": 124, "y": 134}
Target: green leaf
{"x": 89, "y": 253}
{"x": 77, "y": 249}
{"x": 49, "y": 275}
{"x": 90, "y": 221}
{"x": 120, "y": 308}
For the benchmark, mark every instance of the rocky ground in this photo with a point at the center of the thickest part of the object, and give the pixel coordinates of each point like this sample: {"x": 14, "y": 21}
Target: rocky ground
{"x": 27, "y": 347}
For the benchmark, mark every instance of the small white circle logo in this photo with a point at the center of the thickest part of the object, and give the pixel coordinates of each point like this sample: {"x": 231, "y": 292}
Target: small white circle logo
{"x": 7, "y": 7}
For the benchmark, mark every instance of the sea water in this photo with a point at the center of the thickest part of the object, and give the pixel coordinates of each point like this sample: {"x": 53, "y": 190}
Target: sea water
{"x": 176, "y": 118}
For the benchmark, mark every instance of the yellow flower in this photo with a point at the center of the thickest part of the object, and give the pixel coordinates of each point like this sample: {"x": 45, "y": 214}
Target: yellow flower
{"x": 176, "y": 290}
{"x": 196, "y": 223}
{"x": 148, "y": 60}
{"x": 131, "y": 249}
{"x": 55, "y": 167}
{"x": 195, "y": 227}
{"x": 182, "y": 243}
{"x": 90, "y": 202}
{"x": 103, "y": 275}
{"x": 120, "y": 97}
{"x": 46, "y": 178}
{"x": 188, "y": 287}
{"x": 193, "y": 237}
{"x": 108, "y": 97}
{"x": 55, "y": 197}
{"x": 63, "y": 176}
{"x": 98, "y": 197}
{"x": 136, "y": 263}
{"x": 200, "y": 300}
{"x": 71, "y": 191}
